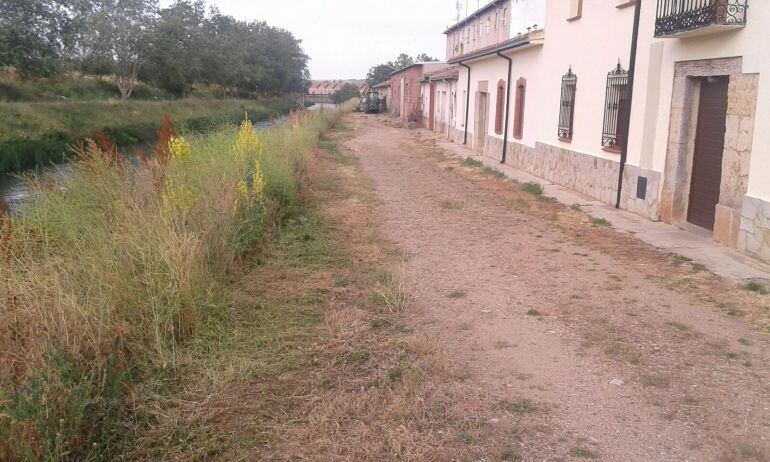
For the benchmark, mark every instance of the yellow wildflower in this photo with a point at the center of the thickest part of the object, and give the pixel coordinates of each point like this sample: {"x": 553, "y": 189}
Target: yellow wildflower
{"x": 177, "y": 197}
{"x": 258, "y": 182}
{"x": 243, "y": 189}
{"x": 248, "y": 142}
{"x": 180, "y": 149}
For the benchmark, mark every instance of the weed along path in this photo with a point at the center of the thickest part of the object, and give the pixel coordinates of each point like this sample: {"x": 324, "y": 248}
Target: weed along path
{"x": 571, "y": 340}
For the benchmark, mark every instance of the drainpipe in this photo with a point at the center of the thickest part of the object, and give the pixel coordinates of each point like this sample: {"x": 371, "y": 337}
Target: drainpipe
{"x": 467, "y": 101}
{"x": 629, "y": 97}
{"x": 507, "y": 105}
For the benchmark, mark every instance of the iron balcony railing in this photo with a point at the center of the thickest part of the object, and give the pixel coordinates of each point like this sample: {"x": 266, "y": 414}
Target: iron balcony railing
{"x": 678, "y": 16}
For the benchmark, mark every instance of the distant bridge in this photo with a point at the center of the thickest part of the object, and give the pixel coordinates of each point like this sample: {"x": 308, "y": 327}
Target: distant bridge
{"x": 319, "y": 99}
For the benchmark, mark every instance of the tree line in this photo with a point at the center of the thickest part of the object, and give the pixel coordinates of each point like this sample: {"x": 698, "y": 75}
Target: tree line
{"x": 172, "y": 47}
{"x": 381, "y": 72}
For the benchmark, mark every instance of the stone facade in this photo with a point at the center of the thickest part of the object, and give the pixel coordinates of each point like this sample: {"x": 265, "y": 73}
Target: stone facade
{"x": 741, "y": 109}
{"x": 754, "y": 232}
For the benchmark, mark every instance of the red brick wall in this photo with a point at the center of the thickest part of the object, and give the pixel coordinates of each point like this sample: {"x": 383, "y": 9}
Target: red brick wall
{"x": 412, "y": 103}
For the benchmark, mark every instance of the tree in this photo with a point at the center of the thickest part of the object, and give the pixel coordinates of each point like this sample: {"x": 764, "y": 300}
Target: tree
{"x": 403, "y": 61}
{"x": 424, "y": 58}
{"x": 380, "y": 73}
{"x": 119, "y": 33}
{"x": 348, "y": 91}
{"x": 172, "y": 47}
{"x": 36, "y": 36}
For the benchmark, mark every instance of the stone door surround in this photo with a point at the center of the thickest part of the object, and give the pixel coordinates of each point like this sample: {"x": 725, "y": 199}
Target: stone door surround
{"x": 741, "y": 107}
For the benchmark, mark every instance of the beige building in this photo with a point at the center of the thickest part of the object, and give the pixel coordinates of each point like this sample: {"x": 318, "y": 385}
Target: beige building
{"x": 693, "y": 149}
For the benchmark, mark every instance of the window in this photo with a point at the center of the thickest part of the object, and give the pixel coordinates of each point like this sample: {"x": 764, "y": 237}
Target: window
{"x": 497, "y": 19}
{"x": 499, "y": 107}
{"x": 567, "y": 105}
{"x": 614, "y": 109}
{"x": 504, "y": 17}
{"x": 462, "y": 107}
{"x": 518, "y": 116}
{"x": 575, "y": 10}
{"x": 489, "y": 24}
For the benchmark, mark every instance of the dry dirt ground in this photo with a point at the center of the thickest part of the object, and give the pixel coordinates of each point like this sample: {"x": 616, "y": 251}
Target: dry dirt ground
{"x": 424, "y": 309}
{"x": 594, "y": 345}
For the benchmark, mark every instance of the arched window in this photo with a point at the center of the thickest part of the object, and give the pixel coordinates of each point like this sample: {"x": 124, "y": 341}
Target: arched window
{"x": 500, "y": 107}
{"x": 567, "y": 105}
{"x": 518, "y": 116}
{"x": 615, "y": 108}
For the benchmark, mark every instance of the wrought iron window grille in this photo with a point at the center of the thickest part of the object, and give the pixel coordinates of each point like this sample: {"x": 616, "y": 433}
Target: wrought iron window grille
{"x": 567, "y": 105}
{"x": 614, "y": 106}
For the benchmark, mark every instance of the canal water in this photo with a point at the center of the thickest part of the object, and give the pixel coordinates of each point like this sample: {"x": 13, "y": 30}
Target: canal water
{"x": 14, "y": 189}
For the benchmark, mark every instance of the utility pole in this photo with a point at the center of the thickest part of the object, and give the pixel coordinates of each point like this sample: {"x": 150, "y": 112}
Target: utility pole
{"x": 459, "y": 7}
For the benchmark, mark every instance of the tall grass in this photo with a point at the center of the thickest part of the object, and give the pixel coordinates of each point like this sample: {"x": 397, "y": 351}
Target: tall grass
{"x": 107, "y": 273}
{"x": 33, "y": 134}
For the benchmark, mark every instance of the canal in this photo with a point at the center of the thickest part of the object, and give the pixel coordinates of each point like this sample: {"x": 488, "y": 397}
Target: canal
{"x": 14, "y": 188}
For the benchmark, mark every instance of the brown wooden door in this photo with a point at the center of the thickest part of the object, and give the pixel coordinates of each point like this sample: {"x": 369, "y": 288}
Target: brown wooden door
{"x": 709, "y": 146}
{"x": 432, "y": 107}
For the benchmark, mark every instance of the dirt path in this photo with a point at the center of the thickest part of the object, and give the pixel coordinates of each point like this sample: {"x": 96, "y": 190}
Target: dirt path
{"x": 600, "y": 352}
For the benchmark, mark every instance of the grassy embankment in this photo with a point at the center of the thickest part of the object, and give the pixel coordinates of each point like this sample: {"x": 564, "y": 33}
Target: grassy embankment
{"x": 33, "y": 134}
{"x": 82, "y": 88}
{"x": 109, "y": 274}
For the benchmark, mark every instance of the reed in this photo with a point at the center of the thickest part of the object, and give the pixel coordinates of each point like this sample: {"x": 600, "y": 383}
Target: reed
{"x": 107, "y": 273}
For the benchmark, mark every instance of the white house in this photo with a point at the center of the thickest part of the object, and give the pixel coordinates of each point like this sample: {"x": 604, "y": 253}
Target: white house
{"x": 693, "y": 150}
{"x": 439, "y": 100}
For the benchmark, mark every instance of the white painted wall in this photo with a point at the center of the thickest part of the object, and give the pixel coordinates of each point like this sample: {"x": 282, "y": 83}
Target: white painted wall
{"x": 750, "y": 43}
{"x": 593, "y": 45}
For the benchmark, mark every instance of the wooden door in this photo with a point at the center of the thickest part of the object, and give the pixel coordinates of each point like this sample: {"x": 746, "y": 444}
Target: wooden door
{"x": 709, "y": 147}
{"x": 482, "y": 111}
{"x": 432, "y": 107}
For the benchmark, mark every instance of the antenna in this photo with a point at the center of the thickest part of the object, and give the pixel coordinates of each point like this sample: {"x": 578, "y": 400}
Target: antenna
{"x": 459, "y": 7}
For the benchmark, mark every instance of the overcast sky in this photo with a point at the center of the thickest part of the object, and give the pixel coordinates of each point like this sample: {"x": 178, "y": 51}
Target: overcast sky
{"x": 344, "y": 38}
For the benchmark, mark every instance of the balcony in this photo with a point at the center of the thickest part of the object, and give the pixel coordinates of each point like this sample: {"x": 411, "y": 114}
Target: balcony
{"x": 687, "y": 18}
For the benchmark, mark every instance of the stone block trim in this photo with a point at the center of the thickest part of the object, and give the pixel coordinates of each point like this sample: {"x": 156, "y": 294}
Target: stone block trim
{"x": 754, "y": 233}
{"x": 649, "y": 206}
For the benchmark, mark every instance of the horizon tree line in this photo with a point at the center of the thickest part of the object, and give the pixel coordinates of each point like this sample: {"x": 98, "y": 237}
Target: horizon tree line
{"x": 173, "y": 47}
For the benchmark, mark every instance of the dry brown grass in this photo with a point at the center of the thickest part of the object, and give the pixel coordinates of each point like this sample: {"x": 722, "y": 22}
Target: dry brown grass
{"x": 312, "y": 367}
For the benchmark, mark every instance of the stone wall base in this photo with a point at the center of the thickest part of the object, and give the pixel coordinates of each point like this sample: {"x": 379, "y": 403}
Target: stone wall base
{"x": 590, "y": 175}
{"x": 754, "y": 231}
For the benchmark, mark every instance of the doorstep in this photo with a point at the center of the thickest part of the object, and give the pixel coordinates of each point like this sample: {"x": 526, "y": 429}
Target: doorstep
{"x": 724, "y": 261}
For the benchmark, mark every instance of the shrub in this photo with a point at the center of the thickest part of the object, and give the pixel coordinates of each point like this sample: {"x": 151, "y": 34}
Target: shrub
{"x": 532, "y": 188}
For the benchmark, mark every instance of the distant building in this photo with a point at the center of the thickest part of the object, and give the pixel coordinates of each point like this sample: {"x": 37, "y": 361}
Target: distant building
{"x": 439, "y": 100}
{"x": 406, "y": 91}
{"x": 329, "y": 87}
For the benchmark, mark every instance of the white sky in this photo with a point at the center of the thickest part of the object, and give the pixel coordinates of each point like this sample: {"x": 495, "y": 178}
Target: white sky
{"x": 344, "y": 38}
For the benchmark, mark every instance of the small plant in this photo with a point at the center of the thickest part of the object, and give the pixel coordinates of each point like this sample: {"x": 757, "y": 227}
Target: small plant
{"x": 471, "y": 162}
{"x": 534, "y": 312}
{"x": 583, "y": 453}
{"x": 486, "y": 170}
{"x": 451, "y": 205}
{"x": 523, "y": 406}
{"x": 699, "y": 268}
{"x": 576, "y": 207}
{"x": 465, "y": 437}
{"x": 358, "y": 357}
{"x": 456, "y": 294}
{"x": 521, "y": 203}
{"x": 511, "y": 455}
{"x": 380, "y": 322}
{"x": 601, "y": 222}
{"x": 757, "y": 288}
{"x": 532, "y": 188}
{"x": 395, "y": 373}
